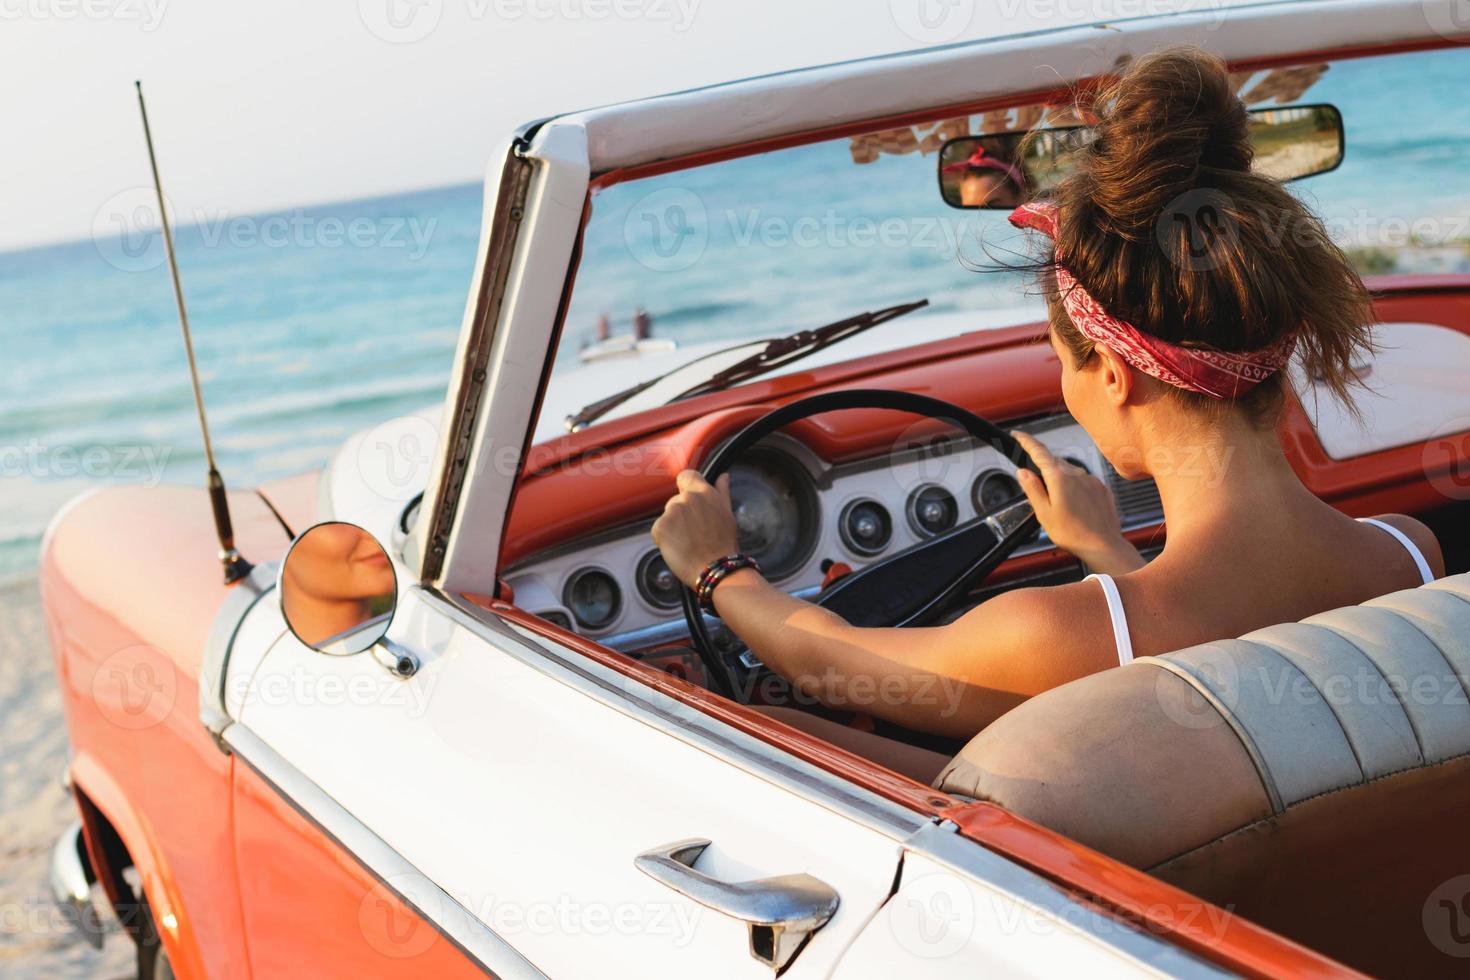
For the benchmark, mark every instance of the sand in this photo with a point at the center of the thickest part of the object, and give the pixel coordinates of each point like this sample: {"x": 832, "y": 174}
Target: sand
{"x": 35, "y": 941}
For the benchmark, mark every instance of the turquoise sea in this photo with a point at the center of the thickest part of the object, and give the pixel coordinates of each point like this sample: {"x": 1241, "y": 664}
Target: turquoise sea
{"x": 312, "y": 323}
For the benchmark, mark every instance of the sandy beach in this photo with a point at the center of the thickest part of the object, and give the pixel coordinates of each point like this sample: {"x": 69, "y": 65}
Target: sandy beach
{"x": 35, "y": 941}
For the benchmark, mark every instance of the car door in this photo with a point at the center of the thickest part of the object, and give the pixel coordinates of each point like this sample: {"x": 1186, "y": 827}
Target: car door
{"x": 505, "y": 794}
{"x": 519, "y": 808}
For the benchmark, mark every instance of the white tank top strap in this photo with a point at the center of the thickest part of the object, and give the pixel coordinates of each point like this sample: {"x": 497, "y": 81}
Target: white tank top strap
{"x": 1121, "y": 639}
{"x": 1424, "y": 570}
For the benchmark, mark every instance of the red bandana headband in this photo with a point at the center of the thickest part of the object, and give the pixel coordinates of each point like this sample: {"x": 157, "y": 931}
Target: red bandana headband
{"x": 1215, "y": 373}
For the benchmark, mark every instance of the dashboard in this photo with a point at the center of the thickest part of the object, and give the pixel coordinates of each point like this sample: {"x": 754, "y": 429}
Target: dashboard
{"x": 799, "y": 516}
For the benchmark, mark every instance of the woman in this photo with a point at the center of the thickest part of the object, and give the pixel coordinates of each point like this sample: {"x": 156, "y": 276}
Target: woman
{"x": 1179, "y": 285}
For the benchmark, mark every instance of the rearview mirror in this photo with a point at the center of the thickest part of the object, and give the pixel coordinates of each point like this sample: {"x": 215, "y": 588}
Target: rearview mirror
{"x": 338, "y": 589}
{"x": 1004, "y": 170}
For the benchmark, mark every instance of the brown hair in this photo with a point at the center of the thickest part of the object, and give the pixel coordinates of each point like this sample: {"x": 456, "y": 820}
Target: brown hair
{"x": 1166, "y": 225}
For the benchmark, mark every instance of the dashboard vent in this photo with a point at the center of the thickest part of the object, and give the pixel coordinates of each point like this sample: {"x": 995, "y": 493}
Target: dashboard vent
{"x": 1138, "y": 500}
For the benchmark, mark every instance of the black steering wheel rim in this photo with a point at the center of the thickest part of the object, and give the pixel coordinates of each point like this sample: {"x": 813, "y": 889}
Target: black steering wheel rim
{"x": 725, "y": 457}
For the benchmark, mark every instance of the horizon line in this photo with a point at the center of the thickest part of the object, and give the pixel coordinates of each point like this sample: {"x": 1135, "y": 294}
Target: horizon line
{"x": 60, "y": 243}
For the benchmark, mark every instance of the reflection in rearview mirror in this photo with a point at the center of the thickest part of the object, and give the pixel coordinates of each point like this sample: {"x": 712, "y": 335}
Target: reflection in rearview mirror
{"x": 1004, "y": 170}
{"x": 338, "y": 588}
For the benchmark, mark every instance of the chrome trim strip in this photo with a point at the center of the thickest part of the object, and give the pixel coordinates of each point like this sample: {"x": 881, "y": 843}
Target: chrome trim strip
{"x": 680, "y": 720}
{"x": 1010, "y": 517}
{"x": 468, "y": 934}
{"x": 942, "y": 843}
{"x": 214, "y": 667}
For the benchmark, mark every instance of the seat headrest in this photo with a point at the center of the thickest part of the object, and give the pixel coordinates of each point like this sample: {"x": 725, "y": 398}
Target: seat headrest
{"x": 1166, "y": 754}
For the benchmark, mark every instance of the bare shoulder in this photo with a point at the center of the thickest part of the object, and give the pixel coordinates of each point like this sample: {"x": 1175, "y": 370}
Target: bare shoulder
{"x": 1423, "y": 539}
{"x": 1060, "y": 632}
{"x": 1048, "y": 608}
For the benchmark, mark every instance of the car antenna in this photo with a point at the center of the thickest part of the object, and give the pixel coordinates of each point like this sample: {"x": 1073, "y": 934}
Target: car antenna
{"x": 235, "y": 566}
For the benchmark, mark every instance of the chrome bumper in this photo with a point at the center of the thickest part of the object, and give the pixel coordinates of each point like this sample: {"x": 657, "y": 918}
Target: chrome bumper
{"x": 71, "y": 880}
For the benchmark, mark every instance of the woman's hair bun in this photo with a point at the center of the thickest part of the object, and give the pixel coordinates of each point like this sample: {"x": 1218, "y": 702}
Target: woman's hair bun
{"x": 1168, "y": 227}
{"x": 1171, "y": 124}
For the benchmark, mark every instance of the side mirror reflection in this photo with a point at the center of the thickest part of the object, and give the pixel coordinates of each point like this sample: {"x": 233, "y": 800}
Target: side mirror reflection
{"x": 338, "y": 589}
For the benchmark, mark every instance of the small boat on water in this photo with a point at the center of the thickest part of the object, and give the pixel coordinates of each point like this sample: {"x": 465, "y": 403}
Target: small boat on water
{"x": 638, "y": 340}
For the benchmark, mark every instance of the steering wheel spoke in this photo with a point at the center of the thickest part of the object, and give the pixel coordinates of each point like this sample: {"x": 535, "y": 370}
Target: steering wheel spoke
{"x": 899, "y": 590}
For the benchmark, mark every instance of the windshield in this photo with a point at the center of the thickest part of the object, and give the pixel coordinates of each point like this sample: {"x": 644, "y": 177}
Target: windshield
{"x": 679, "y": 266}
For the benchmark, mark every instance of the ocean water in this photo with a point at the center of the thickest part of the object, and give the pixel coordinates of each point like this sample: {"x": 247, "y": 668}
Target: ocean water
{"x": 313, "y": 323}
{"x": 307, "y": 325}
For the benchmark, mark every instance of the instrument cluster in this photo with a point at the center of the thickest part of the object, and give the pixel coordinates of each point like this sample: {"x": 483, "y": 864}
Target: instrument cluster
{"x": 798, "y": 516}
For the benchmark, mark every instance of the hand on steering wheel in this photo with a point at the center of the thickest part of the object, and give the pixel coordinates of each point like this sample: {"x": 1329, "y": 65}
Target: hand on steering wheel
{"x": 697, "y": 526}
{"x": 1077, "y": 510}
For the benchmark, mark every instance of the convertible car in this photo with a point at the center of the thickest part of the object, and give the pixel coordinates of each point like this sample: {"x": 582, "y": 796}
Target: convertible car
{"x": 539, "y": 758}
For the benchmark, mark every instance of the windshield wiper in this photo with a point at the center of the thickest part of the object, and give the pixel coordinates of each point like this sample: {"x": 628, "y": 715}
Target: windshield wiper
{"x": 775, "y": 354}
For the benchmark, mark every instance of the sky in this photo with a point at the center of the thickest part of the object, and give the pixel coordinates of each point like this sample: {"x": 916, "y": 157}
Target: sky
{"x": 260, "y": 105}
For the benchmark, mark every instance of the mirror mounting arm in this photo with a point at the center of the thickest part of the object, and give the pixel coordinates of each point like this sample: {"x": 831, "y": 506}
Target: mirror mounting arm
{"x": 395, "y": 658}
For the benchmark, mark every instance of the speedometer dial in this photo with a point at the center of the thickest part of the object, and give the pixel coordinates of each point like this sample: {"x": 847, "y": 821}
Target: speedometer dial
{"x": 593, "y": 597}
{"x": 775, "y": 511}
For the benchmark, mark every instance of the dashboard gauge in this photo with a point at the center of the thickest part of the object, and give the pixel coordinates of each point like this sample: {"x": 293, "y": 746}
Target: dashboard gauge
{"x": 557, "y": 618}
{"x": 775, "y": 511}
{"x": 932, "y": 510}
{"x": 993, "y": 489}
{"x": 593, "y": 597}
{"x": 656, "y": 584}
{"x": 865, "y": 526}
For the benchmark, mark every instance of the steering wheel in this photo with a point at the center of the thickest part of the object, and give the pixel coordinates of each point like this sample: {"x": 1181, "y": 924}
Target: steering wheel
{"x": 912, "y": 587}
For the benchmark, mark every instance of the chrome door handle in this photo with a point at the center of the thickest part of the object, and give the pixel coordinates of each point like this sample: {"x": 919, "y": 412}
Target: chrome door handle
{"x": 781, "y": 911}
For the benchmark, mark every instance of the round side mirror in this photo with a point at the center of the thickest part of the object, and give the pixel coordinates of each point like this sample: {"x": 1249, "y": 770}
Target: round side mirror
{"x": 338, "y": 589}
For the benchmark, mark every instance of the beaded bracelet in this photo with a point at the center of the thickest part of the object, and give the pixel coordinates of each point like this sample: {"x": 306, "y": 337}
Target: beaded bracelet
{"x": 714, "y": 573}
